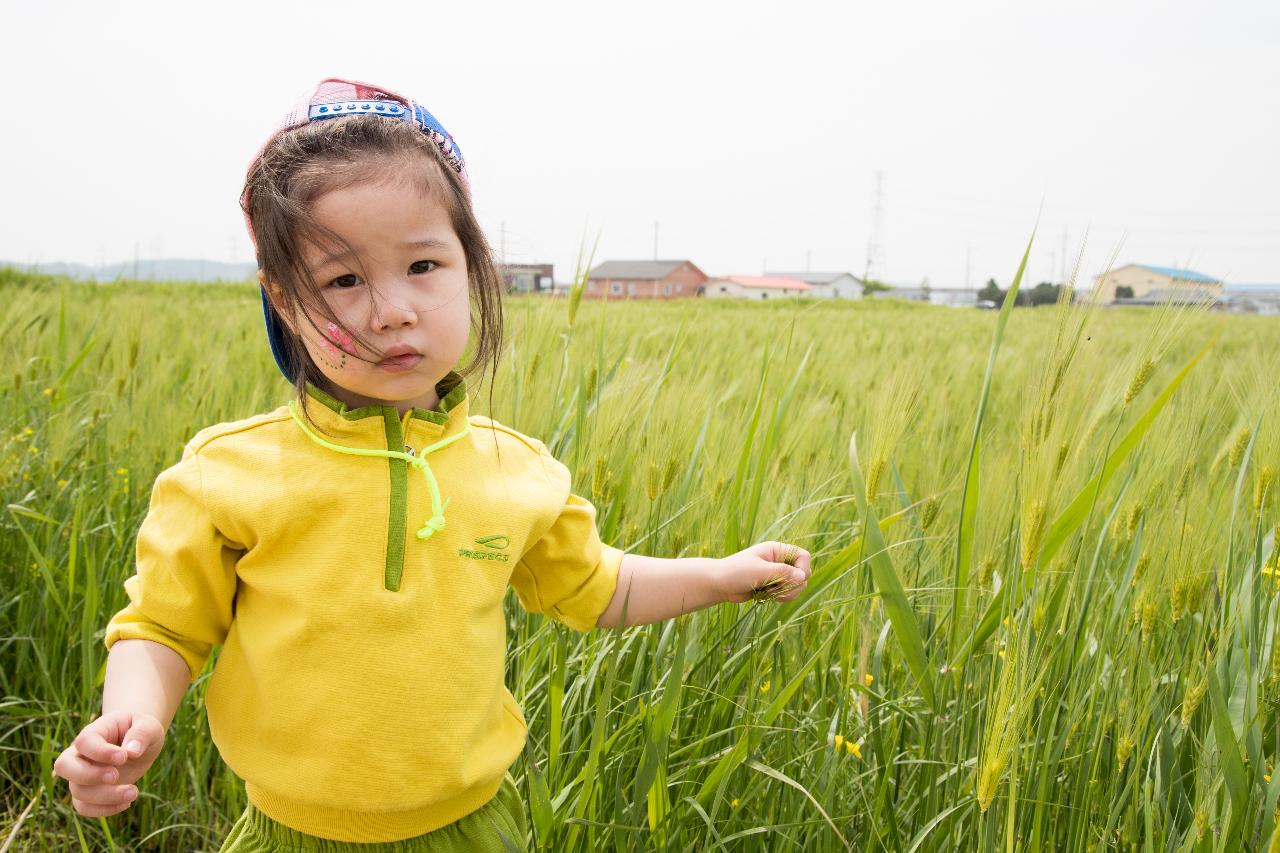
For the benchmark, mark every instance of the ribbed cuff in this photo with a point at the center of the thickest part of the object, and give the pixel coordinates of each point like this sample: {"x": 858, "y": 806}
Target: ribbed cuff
{"x": 345, "y": 825}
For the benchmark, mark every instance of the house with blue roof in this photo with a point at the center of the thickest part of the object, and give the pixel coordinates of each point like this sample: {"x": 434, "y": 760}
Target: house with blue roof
{"x": 1140, "y": 283}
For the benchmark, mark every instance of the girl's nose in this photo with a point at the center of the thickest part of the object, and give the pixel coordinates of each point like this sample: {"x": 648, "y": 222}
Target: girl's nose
{"x": 393, "y": 308}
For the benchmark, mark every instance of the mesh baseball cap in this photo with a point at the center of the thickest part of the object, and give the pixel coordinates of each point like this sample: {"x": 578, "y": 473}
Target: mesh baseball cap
{"x": 335, "y": 97}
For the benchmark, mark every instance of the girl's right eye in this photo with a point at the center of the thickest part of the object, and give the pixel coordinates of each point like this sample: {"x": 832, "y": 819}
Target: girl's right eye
{"x": 344, "y": 282}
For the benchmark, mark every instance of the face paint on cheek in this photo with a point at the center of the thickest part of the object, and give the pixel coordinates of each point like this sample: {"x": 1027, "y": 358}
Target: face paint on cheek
{"x": 335, "y": 358}
{"x": 339, "y": 336}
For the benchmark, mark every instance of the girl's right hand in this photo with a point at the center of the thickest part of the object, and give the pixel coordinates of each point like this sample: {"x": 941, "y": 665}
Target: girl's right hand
{"x": 106, "y": 758}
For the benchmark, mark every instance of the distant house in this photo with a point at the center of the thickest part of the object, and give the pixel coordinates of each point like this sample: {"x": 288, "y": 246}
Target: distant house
{"x": 645, "y": 280}
{"x": 1250, "y": 299}
{"x": 913, "y": 294}
{"x": 1141, "y": 279}
{"x": 756, "y": 287}
{"x": 528, "y": 278}
{"x": 826, "y": 285}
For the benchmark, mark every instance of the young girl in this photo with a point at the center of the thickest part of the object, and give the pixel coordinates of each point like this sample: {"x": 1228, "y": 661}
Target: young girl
{"x": 350, "y": 551}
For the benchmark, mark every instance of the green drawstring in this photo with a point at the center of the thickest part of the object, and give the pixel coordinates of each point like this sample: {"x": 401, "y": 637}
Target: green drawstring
{"x": 436, "y": 521}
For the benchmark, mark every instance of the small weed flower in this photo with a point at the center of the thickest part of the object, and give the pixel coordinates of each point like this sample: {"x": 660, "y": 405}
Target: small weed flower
{"x": 854, "y": 749}
{"x": 764, "y": 688}
{"x": 839, "y": 741}
{"x": 33, "y": 450}
{"x": 28, "y": 431}
{"x": 868, "y": 679}
{"x": 62, "y": 484}
{"x": 48, "y": 392}
{"x": 733, "y": 803}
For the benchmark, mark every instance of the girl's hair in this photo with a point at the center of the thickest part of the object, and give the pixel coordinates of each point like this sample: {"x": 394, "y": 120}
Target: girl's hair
{"x": 299, "y": 166}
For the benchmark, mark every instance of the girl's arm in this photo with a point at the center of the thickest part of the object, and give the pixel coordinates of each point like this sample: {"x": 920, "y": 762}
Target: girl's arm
{"x": 654, "y": 588}
{"x": 144, "y": 677}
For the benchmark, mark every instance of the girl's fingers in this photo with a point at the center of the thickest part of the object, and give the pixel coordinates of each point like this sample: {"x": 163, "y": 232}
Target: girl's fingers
{"x": 104, "y": 795}
{"x": 74, "y": 767}
{"x": 92, "y": 810}
{"x": 92, "y": 744}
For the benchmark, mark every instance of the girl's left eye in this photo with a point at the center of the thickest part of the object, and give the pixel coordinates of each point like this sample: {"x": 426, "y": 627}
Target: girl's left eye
{"x": 417, "y": 266}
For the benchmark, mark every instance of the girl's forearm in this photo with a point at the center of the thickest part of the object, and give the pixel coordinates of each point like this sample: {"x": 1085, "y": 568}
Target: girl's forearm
{"x": 147, "y": 677}
{"x": 654, "y": 588}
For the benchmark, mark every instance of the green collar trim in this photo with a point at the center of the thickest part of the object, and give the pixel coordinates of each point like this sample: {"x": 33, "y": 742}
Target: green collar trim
{"x": 452, "y": 389}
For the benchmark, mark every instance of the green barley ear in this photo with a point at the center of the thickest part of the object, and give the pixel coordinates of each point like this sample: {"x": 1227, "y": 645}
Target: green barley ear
{"x": 1191, "y": 700}
{"x": 928, "y": 513}
{"x": 652, "y": 481}
{"x": 874, "y": 473}
{"x": 1184, "y": 484}
{"x": 1124, "y": 749}
{"x": 1262, "y": 489}
{"x": 599, "y": 478}
{"x": 1033, "y": 520}
{"x": 1241, "y": 445}
{"x": 1139, "y": 381}
{"x": 669, "y": 473}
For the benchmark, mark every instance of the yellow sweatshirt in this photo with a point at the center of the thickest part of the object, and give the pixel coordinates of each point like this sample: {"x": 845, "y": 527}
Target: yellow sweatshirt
{"x": 359, "y": 689}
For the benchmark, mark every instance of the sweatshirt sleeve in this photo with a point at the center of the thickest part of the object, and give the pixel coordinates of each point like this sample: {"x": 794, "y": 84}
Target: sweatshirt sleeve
{"x": 568, "y": 573}
{"x": 182, "y": 593}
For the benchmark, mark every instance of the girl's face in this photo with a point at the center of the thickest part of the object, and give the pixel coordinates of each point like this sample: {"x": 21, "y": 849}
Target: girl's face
{"x": 414, "y": 306}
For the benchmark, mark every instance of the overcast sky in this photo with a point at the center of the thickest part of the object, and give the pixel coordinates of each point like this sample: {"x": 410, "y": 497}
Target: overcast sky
{"x": 752, "y": 133}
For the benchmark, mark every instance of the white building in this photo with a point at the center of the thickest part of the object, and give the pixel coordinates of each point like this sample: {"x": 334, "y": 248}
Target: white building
{"x": 826, "y": 285}
{"x": 755, "y": 287}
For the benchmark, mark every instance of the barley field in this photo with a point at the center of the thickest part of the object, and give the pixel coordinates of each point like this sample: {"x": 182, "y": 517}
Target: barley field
{"x": 1044, "y": 606}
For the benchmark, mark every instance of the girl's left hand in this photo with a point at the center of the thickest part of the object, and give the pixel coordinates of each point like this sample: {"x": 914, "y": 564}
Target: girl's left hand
{"x": 770, "y": 570}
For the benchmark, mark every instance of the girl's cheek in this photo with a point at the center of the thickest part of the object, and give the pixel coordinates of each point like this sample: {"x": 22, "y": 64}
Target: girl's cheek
{"x": 338, "y": 335}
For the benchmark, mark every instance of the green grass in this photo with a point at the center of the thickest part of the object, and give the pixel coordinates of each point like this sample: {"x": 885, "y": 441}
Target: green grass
{"x": 1043, "y": 608}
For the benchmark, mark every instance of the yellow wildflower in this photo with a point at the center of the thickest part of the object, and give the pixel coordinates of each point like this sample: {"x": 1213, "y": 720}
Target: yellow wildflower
{"x": 28, "y": 431}
{"x": 123, "y": 472}
{"x": 33, "y": 449}
{"x": 734, "y": 803}
{"x": 839, "y": 741}
{"x": 62, "y": 484}
{"x": 854, "y": 749}
{"x": 48, "y": 392}
{"x": 1266, "y": 778}
{"x": 868, "y": 679}
{"x": 764, "y": 688}
{"x": 1001, "y": 653}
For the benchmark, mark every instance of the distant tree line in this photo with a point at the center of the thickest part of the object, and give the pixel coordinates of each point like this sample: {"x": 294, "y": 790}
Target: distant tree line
{"x": 1043, "y": 293}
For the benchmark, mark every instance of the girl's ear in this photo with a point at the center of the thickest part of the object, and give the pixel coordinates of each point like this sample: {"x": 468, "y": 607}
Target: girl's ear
{"x": 276, "y": 298}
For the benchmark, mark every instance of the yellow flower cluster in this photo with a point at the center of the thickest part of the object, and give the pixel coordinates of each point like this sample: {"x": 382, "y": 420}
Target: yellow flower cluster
{"x": 849, "y": 746}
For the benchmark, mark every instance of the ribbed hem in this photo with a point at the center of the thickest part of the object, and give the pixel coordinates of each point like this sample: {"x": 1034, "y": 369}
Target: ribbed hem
{"x": 346, "y": 825}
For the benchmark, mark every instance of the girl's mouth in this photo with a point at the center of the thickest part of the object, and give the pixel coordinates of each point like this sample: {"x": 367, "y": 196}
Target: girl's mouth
{"x": 400, "y": 363}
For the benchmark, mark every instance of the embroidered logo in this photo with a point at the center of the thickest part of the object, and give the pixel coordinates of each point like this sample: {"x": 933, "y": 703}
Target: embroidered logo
{"x": 490, "y": 548}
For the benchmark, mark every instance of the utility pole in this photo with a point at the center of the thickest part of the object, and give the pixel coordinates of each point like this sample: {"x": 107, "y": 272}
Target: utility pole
{"x": 875, "y": 240}
{"x": 1063, "y": 279}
